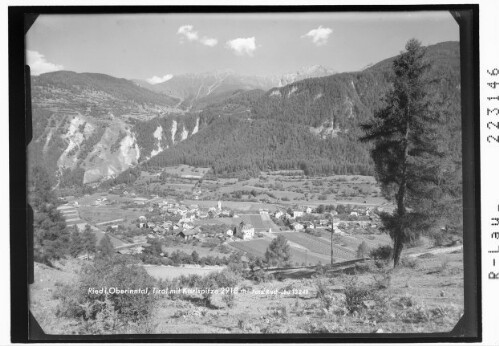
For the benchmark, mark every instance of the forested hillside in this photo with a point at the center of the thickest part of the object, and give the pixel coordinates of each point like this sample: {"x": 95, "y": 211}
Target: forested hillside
{"x": 312, "y": 124}
{"x": 86, "y": 126}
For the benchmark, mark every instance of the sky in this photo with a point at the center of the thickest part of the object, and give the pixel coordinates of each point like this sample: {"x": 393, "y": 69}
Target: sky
{"x": 155, "y": 47}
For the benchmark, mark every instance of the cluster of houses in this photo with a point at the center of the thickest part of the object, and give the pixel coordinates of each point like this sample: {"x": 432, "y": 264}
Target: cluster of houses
{"x": 186, "y": 228}
{"x": 193, "y": 211}
{"x": 317, "y": 220}
{"x": 169, "y": 217}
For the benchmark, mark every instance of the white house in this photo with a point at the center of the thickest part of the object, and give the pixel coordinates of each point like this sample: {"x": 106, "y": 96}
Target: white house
{"x": 297, "y": 213}
{"x": 297, "y": 226}
{"x": 188, "y": 226}
{"x": 278, "y": 214}
{"x": 229, "y": 232}
{"x": 245, "y": 231}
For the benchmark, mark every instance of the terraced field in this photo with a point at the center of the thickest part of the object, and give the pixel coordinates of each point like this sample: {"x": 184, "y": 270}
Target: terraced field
{"x": 319, "y": 245}
{"x": 352, "y": 241}
{"x": 308, "y": 256}
{"x": 255, "y": 247}
{"x": 262, "y": 223}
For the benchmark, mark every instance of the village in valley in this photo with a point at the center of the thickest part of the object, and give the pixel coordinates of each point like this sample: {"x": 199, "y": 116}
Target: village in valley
{"x": 198, "y": 222}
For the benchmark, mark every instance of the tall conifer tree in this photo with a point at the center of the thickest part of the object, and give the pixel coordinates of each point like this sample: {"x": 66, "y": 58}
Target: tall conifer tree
{"x": 407, "y": 149}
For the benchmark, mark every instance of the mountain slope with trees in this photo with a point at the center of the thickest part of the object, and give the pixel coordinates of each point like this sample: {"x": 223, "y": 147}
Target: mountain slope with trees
{"x": 313, "y": 123}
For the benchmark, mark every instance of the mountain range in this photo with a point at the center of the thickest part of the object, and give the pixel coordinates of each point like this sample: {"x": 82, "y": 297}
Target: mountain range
{"x": 89, "y": 127}
{"x": 198, "y": 90}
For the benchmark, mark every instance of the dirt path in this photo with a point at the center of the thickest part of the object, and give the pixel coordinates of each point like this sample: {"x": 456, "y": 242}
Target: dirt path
{"x": 438, "y": 251}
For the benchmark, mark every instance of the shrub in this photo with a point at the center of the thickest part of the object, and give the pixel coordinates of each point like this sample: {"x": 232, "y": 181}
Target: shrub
{"x": 224, "y": 279}
{"x": 180, "y": 313}
{"x": 280, "y": 312}
{"x": 228, "y": 299}
{"x": 118, "y": 272}
{"x": 355, "y": 295}
{"x": 322, "y": 269}
{"x": 383, "y": 252}
{"x": 261, "y": 276}
{"x": 410, "y": 262}
{"x": 362, "y": 250}
{"x": 382, "y": 280}
{"x": 439, "y": 237}
{"x": 405, "y": 302}
{"x": 443, "y": 265}
{"x": 324, "y": 294}
{"x": 362, "y": 268}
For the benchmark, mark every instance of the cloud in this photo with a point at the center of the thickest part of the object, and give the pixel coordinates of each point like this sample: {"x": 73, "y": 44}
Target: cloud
{"x": 319, "y": 36}
{"x": 210, "y": 42}
{"x": 191, "y": 35}
{"x": 157, "y": 80}
{"x": 242, "y": 46}
{"x": 188, "y": 32}
{"x": 38, "y": 64}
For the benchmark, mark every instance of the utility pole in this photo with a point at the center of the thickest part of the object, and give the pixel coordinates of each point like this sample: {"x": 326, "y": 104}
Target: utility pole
{"x": 332, "y": 231}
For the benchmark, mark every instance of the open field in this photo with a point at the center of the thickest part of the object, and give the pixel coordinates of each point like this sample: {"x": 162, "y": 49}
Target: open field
{"x": 188, "y": 248}
{"x": 255, "y": 247}
{"x": 185, "y": 170}
{"x": 319, "y": 245}
{"x": 170, "y": 272}
{"x": 299, "y": 255}
{"x": 236, "y": 205}
{"x": 290, "y": 189}
{"x": 96, "y": 214}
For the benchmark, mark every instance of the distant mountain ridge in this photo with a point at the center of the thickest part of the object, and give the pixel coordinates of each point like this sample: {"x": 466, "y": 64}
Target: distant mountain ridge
{"x": 313, "y": 71}
{"x": 198, "y": 88}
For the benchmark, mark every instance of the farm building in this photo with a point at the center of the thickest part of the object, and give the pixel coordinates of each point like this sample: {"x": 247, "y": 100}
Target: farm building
{"x": 188, "y": 234}
{"x": 297, "y": 213}
{"x": 245, "y": 231}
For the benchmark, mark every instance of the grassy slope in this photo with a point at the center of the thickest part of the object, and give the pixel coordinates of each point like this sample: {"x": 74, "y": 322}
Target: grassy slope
{"x": 434, "y": 286}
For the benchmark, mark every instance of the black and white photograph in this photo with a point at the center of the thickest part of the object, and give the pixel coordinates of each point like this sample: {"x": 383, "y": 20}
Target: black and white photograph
{"x": 246, "y": 172}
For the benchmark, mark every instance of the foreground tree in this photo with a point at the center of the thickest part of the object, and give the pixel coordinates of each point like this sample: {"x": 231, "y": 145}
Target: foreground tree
{"x": 50, "y": 236}
{"x": 105, "y": 249}
{"x": 407, "y": 149}
{"x": 89, "y": 241}
{"x": 75, "y": 243}
{"x": 278, "y": 252}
